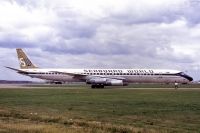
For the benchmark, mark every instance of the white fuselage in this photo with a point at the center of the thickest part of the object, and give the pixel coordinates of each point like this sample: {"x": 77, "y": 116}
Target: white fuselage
{"x": 127, "y": 75}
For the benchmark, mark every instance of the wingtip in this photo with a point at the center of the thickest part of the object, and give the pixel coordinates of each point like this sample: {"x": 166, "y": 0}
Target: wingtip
{"x": 6, "y": 67}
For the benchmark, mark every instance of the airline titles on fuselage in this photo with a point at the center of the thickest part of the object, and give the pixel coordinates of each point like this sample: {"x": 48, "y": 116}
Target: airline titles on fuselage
{"x": 135, "y": 71}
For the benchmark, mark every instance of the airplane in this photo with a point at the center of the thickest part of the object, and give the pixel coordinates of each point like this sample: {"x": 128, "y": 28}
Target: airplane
{"x": 98, "y": 78}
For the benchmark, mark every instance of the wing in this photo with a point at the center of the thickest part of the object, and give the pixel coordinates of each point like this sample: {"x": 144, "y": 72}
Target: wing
{"x": 106, "y": 77}
{"x": 88, "y": 77}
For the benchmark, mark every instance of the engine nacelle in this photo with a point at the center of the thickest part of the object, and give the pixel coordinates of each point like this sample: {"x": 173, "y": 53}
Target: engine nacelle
{"x": 106, "y": 82}
{"x": 115, "y": 82}
{"x": 97, "y": 81}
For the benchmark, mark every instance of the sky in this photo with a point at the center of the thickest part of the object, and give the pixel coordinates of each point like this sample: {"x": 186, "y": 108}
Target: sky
{"x": 159, "y": 34}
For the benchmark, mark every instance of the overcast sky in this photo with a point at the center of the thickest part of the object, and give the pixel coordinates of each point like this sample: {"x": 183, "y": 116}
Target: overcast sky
{"x": 163, "y": 34}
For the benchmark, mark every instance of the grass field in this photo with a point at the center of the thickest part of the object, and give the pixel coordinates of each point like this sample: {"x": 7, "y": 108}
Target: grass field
{"x": 75, "y": 109}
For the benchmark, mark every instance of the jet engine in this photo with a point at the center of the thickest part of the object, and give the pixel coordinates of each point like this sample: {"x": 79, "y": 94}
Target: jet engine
{"x": 115, "y": 82}
{"x": 105, "y": 81}
{"x": 96, "y": 81}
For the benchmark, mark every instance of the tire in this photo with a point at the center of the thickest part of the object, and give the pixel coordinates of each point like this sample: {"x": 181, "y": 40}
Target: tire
{"x": 97, "y": 86}
{"x": 102, "y": 86}
{"x": 93, "y": 86}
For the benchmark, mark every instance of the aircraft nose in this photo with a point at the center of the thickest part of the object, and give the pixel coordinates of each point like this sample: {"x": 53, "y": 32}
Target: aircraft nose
{"x": 189, "y": 78}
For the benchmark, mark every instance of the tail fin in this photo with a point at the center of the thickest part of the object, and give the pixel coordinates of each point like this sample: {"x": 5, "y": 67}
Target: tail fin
{"x": 24, "y": 61}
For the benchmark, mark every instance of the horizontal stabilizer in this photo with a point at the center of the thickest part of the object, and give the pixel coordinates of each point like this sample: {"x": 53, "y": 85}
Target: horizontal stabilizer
{"x": 18, "y": 70}
{"x": 12, "y": 68}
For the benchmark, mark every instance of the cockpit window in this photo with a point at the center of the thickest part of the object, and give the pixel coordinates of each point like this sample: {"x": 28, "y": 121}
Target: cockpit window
{"x": 182, "y": 73}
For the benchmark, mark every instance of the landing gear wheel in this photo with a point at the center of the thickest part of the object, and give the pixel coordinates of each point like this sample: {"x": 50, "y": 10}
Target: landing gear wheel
{"x": 97, "y": 86}
{"x": 101, "y": 86}
{"x": 93, "y": 86}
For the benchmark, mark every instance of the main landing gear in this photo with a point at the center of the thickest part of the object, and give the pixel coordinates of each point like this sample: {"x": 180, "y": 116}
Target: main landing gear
{"x": 97, "y": 86}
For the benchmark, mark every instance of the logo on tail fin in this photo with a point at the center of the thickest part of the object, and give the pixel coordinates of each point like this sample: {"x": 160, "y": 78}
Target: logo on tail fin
{"x": 25, "y": 63}
{"x": 22, "y": 62}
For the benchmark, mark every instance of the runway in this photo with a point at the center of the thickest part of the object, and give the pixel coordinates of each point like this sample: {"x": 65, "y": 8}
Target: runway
{"x": 84, "y": 86}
